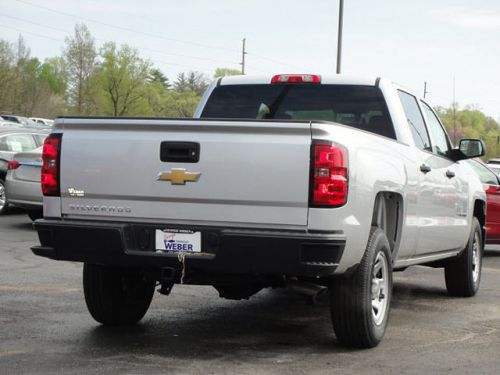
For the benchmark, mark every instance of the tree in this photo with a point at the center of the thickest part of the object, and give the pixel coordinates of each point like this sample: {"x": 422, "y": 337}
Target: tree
{"x": 470, "y": 122}
{"x": 222, "y": 72}
{"x": 81, "y": 60}
{"x": 192, "y": 81}
{"x": 180, "y": 104}
{"x": 157, "y": 76}
{"x": 124, "y": 77}
{"x": 7, "y": 75}
{"x": 56, "y": 73}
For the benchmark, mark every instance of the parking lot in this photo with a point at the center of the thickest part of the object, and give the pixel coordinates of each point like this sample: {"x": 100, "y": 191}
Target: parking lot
{"x": 45, "y": 327}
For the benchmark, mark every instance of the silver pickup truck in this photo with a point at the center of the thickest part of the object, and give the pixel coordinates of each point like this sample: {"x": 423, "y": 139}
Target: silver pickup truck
{"x": 293, "y": 180}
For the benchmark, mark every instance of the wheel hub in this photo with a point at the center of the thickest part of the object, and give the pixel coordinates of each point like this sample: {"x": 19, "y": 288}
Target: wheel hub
{"x": 2, "y": 196}
{"x": 476, "y": 258}
{"x": 379, "y": 288}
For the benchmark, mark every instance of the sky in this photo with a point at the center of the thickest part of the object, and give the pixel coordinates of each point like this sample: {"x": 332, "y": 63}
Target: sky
{"x": 410, "y": 42}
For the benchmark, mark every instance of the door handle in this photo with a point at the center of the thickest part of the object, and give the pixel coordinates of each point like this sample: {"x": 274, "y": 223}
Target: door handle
{"x": 450, "y": 174}
{"x": 425, "y": 168}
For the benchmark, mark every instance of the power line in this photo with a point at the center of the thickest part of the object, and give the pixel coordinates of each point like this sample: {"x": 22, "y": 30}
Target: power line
{"x": 60, "y": 40}
{"x": 30, "y": 33}
{"x": 150, "y": 34}
{"x": 125, "y": 28}
{"x": 273, "y": 60}
{"x": 140, "y": 48}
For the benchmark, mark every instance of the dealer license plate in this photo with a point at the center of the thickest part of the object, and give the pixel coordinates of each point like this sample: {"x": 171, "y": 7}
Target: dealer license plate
{"x": 172, "y": 240}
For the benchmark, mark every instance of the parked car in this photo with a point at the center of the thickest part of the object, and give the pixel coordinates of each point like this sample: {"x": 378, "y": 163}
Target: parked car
{"x": 491, "y": 184}
{"x": 7, "y": 123}
{"x": 22, "y": 182}
{"x": 43, "y": 121}
{"x": 293, "y": 180}
{"x": 495, "y": 167}
{"x": 26, "y": 122}
{"x": 14, "y": 140}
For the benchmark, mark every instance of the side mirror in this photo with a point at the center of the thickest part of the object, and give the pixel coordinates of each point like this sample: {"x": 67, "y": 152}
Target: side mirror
{"x": 468, "y": 149}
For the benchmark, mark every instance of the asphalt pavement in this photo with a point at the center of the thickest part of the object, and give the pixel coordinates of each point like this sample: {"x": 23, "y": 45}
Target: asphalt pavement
{"x": 45, "y": 326}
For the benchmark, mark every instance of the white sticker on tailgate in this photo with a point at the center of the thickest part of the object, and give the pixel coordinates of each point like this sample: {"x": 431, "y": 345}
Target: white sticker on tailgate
{"x": 178, "y": 241}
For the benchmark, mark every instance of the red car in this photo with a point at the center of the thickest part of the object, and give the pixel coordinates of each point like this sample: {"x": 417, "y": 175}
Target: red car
{"x": 491, "y": 185}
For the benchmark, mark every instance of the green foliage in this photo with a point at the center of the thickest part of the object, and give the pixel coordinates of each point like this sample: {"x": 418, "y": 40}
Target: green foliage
{"x": 157, "y": 76}
{"x": 470, "y": 122}
{"x": 85, "y": 80}
{"x": 123, "y": 80}
{"x": 191, "y": 82}
{"x": 80, "y": 57}
{"x": 222, "y": 72}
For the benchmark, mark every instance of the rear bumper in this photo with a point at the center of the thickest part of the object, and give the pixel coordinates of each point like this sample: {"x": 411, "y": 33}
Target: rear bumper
{"x": 224, "y": 251}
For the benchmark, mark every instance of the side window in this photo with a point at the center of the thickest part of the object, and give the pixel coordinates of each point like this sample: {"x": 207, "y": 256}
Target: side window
{"x": 21, "y": 142}
{"x": 441, "y": 145}
{"x": 485, "y": 175}
{"x": 415, "y": 121}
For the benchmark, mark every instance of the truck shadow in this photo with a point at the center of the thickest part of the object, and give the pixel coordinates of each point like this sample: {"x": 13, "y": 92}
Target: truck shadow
{"x": 278, "y": 322}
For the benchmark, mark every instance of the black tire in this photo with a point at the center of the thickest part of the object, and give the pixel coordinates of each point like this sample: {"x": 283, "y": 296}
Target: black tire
{"x": 116, "y": 296}
{"x": 35, "y": 214}
{"x": 463, "y": 273}
{"x": 353, "y": 316}
{"x": 4, "y": 205}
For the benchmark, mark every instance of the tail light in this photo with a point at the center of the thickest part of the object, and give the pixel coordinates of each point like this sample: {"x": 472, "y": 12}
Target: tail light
{"x": 50, "y": 170}
{"x": 296, "y": 78}
{"x": 329, "y": 175}
{"x": 13, "y": 164}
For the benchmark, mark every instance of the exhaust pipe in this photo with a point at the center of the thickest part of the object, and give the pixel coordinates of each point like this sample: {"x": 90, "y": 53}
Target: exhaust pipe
{"x": 314, "y": 291}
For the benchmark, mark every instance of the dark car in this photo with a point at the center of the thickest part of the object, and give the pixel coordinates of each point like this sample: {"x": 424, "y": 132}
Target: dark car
{"x": 491, "y": 185}
{"x": 12, "y": 141}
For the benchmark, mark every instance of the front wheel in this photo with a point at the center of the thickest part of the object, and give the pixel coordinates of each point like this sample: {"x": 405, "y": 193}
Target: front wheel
{"x": 360, "y": 302}
{"x": 463, "y": 274}
{"x": 116, "y": 296}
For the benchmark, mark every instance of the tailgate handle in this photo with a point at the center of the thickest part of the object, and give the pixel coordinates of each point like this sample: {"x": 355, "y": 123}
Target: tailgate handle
{"x": 180, "y": 152}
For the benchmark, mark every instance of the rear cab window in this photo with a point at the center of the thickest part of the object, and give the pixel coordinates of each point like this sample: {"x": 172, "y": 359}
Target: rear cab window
{"x": 362, "y": 107}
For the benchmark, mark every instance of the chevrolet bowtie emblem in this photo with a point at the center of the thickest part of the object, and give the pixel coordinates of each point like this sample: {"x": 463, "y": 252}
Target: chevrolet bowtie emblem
{"x": 178, "y": 176}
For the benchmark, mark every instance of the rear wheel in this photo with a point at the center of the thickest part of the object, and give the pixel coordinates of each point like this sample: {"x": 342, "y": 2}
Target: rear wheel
{"x": 116, "y": 296}
{"x": 463, "y": 274}
{"x": 360, "y": 302}
{"x": 3, "y": 198}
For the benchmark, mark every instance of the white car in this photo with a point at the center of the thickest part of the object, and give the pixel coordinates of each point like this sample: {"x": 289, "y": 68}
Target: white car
{"x": 43, "y": 121}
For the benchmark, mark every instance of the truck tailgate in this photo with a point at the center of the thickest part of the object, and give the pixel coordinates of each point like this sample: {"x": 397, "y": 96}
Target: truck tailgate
{"x": 248, "y": 172}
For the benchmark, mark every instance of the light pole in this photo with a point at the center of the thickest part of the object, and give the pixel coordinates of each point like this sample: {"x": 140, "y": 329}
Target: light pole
{"x": 339, "y": 40}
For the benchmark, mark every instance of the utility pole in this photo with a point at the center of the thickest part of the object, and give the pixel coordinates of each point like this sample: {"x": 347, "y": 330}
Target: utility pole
{"x": 339, "y": 40}
{"x": 243, "y": 53}
{"x": 425, "y": 89}
{"x": 454, "y": 114}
